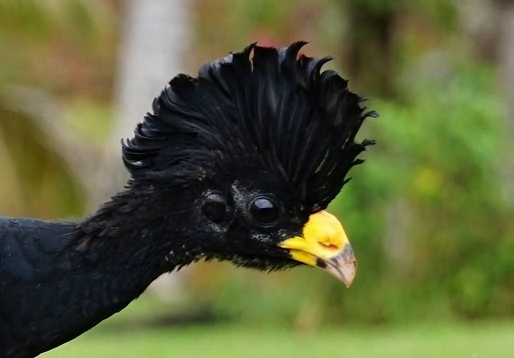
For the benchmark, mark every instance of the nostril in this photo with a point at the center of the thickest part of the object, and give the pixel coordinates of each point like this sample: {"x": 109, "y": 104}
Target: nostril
{"x": 330, "y": 246}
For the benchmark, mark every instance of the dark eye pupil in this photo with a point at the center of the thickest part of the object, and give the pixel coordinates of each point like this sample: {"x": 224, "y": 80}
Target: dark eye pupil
{"x": 264, "y": 211}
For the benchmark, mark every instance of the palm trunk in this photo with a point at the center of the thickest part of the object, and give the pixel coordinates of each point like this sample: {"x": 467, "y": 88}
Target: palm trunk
{"x": 154, "y": 47}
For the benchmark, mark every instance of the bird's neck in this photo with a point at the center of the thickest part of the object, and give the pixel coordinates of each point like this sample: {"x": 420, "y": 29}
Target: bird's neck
{"x": 131, "y": 239}
{"x": 117, "y": 253}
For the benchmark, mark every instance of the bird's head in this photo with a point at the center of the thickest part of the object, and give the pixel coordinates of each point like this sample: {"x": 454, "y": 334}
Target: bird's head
{"x": 254, "y": 149}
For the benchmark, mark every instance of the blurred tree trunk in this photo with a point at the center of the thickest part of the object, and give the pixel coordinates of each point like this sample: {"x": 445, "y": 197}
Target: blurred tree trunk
{"x": 370, "y": 46}
{"x": 506, "y": 62}
{"x": 155, "y": 36}
{"x": 370, "y": 49}
{"x": 154, "y": 42}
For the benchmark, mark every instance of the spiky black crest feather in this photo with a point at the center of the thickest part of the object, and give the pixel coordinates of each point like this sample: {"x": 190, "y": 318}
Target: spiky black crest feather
{"x": 268, "y": 106}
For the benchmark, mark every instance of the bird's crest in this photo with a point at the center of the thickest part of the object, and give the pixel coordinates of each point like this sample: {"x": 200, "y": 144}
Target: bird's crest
{"x": 263, "y": 104}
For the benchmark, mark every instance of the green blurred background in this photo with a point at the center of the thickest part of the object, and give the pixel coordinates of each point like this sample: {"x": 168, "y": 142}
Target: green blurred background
{"x": 428, "y": 214}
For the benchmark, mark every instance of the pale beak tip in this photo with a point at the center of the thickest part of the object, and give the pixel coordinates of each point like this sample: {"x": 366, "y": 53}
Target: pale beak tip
{"x": 343, "y": 266}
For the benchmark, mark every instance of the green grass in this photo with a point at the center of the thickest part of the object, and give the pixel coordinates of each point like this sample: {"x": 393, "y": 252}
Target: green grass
{"x": 492, "y": 339}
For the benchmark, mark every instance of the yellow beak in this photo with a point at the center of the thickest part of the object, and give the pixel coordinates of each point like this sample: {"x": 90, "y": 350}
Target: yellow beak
{"x": 324, "y": 244}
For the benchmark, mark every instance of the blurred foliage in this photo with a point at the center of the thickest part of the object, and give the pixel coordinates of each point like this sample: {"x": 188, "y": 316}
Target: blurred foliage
{"x": 28, "y": 187}
{"x": 65, "y": 50}
{"x": 442, "y": 232}
{"x": 425, "y": 213}
{"x": 67, "y": 47}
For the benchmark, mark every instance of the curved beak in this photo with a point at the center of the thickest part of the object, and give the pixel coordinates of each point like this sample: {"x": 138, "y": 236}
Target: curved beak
{"x": 324, "y": 244}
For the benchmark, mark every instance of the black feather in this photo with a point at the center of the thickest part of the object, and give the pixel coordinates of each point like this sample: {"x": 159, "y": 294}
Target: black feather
{"x": 269, "y": 104}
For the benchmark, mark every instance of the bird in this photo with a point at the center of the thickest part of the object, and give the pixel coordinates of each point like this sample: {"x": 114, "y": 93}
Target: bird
{"x": 237, "y": 164}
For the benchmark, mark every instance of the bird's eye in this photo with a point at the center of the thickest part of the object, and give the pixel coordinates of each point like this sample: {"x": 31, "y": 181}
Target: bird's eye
{"x": 264, "y": 210}
{"x": 214, "y": 208}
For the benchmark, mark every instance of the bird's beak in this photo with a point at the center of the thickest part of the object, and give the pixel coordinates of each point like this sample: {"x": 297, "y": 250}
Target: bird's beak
{"x": 324, "y": 244}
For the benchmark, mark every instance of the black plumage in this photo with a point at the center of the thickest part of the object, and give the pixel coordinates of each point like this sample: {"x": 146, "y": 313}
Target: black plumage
{"x": 236, "y": 164}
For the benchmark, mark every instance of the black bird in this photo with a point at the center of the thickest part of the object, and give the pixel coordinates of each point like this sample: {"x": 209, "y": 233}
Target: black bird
{"x": 237, "y": 164}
